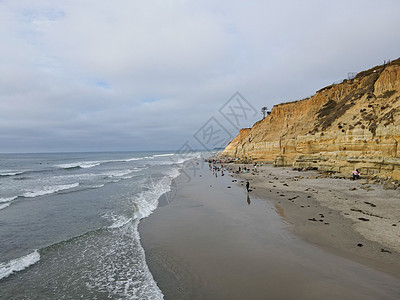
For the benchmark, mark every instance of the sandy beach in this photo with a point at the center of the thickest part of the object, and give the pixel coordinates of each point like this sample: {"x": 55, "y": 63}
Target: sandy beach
{"x": 356, "y": 219}
{"x": 209, "y": 239}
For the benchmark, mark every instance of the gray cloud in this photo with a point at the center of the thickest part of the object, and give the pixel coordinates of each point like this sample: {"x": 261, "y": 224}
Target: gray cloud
{"x": 120, "y": 75}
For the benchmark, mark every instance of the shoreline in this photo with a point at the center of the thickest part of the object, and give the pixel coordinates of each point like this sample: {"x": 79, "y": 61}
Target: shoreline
{"x": 209, "y": 239}
{"x": 325, "y": 212}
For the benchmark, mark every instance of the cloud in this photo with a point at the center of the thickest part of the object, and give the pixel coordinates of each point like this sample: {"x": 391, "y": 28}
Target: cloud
{"x": 120, "y": 75}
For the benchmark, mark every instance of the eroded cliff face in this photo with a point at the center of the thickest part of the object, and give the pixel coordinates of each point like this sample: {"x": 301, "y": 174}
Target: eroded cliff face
{"x": 355, "y": 124}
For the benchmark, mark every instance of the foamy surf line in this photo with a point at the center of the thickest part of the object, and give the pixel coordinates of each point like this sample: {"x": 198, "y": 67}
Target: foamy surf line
{"x": 18, "y": 264}
{"x": 10, "y": 173}
{"x": 82, "y": 164}
{"x": 146, "y": 202}
{"x": 161, "y": 155}
{"x": 49, "y": 190}
{"x": 2, "y": 206}
{"x": 91, "y": 164}
{"x": 9, "y": 199}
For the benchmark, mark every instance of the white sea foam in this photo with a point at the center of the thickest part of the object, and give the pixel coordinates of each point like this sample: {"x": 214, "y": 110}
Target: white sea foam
{"x": 172, "y": 173}
{"x": 138, "y": 158}
{"x": 49, "y": 190}
{"x": 147, "y": 201}
{"x": 97, "y": 186}
{"x": 134, "y": 158}
{"x": 2, "y": 206}
{"x": 126, "y": 274}
{"x": 91, "y": 164}
{"x": 19, "y": 264}
{"x": 10, "y": 173}
{"x": 81, "y": 164}
{"x": 119, "y": 221}
{"x": 118, "y": 173}
{"x": 160, "y": 155}
{"x": 9, "y": 199}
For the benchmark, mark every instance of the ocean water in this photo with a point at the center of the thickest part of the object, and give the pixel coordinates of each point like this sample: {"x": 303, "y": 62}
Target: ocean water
{"x": 68, "y": 223}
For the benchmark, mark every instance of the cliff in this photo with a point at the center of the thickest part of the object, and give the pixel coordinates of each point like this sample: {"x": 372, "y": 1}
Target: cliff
{"x": 354, "y": 124}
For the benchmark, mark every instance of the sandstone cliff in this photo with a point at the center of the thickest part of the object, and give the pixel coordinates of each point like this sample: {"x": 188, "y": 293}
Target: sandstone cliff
{"x": 354, "y": 124}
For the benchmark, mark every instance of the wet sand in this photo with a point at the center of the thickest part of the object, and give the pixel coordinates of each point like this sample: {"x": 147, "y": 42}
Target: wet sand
{"x": 209, "y": 240}
{"x": 353, "y": 219}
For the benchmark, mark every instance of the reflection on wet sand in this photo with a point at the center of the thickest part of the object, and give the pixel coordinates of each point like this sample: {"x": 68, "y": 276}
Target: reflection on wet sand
{"x": 279, "y": 210}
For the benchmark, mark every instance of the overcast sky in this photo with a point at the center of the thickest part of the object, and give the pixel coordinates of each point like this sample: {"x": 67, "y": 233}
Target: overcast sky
{"x": 95, "y": 75}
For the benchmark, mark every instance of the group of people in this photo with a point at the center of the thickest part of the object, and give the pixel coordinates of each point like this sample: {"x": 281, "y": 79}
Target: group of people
{"x": 216, "y": 166}
{"x": 245, "y": 169}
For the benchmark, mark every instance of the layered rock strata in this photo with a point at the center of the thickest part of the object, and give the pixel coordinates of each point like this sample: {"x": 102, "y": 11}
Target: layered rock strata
{"x": 354, "y": 124}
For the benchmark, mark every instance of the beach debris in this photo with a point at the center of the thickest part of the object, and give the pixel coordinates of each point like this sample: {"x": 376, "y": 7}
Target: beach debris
{"x": 360, "y": 245}
{"x": 229, "y": 186}
{"x": 363, "y": 219}
{"x": 353, "y": 189}
{"x": 365, "y": 213}
{"x": 384, "y": 250}
{"x": 313, "y": 219}
{"x": 394, "y": 225}
{"x": 369, "y": 203}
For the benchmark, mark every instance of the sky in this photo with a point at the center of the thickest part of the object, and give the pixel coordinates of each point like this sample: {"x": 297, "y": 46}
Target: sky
{"x": 121, "y": 75}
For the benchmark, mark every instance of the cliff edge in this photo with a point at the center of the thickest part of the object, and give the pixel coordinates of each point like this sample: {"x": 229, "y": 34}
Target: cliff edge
{"x": 354, "y": 124}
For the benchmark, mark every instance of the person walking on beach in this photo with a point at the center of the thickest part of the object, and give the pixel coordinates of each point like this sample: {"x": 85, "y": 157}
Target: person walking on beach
{"x": 247, "y": 186}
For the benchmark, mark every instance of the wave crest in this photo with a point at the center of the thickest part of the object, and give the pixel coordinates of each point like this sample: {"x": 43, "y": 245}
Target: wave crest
{"x": 18, "y": 264}
{"x": 49, "y": 190}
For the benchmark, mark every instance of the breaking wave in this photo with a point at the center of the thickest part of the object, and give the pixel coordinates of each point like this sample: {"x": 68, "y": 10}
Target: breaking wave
{"x": 18, "y": 264}
{"x": 49, "y": 190}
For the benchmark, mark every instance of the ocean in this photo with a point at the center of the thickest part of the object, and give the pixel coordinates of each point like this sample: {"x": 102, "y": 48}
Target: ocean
{"x": 69, "y": 223}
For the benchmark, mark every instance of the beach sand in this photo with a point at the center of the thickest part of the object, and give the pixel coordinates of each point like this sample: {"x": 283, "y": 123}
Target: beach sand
{"x": 209, "y": 239}
{"x": 354, "y": 212}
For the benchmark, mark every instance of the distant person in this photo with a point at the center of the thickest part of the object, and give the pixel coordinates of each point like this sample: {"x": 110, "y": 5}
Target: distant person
{"x": 248, "y": 199}
{"x": 247, "y": 186}
{"x": 356, "y": 174}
